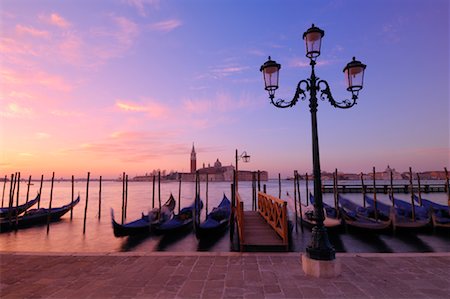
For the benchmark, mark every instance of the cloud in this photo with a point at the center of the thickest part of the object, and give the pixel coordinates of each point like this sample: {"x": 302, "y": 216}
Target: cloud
{"x": 150, "y": 107}
{"x": 165, "y": 26}
{"x": 13, "y": 110}
{"x": 55, "y": 20}
{"x": 136, "y": 146}
{"x": 220, "y": 103}
{"x": 140, "y": 5}
{"x": 27, "y": 30}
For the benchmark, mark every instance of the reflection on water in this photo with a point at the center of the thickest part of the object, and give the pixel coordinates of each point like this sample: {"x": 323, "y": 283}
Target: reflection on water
{"x": 67, "y": 235}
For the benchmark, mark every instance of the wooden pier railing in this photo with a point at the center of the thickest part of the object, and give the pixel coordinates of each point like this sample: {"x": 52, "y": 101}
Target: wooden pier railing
{"x": 240, "y": 219}
{"x": 265, "y": 229}
{"x": 274, "y": 211}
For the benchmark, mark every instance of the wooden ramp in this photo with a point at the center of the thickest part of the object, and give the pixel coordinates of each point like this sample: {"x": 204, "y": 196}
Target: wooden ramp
{"x": 259, "y": 235}
{"x": 265, "y": 229}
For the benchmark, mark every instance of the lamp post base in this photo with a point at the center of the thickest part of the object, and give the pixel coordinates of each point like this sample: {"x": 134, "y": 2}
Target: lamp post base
{"x": 321, "y": 269}
{"x": 320, "y": 247}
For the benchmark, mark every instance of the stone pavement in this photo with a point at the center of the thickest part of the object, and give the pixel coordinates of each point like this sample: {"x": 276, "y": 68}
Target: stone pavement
{"x": 219, "y": 275}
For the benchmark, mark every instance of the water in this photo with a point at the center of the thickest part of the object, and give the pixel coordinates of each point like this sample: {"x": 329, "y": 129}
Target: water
{"x": 67, "y": 235}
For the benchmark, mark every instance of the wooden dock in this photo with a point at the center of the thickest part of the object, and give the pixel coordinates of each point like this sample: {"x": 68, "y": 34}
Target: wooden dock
{"x": 259, "y": 235}
{"x": 265, "y": 229}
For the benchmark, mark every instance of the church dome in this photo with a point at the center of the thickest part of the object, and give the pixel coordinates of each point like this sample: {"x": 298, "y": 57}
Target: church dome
{"x": 217, "y": 164}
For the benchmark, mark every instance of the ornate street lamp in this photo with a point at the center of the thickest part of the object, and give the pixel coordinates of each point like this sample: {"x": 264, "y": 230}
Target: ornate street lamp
{"x": 246, "y": 158}
{"x": 320, "y": 247}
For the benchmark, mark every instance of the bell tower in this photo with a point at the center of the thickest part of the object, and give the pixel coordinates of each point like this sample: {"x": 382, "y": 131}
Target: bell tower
{"x": 193, "y": 160}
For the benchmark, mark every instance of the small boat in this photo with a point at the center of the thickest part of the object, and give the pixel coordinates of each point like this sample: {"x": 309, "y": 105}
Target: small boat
{"x": 7, "y": 212}
{"x": 217, "y": 221}
{"x": 183, "y": 220}
{"x": 361, "y": 218}
{"x": 146, "y": 223}
{"x": 332, "y": 221}
{"x": 37, "y": 216}
{"x": 440, "y": 215}
{"x": 402, "y": 215}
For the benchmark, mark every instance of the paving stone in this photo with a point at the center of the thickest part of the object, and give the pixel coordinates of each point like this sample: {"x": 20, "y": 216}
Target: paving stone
{"x": 222, "y": 276}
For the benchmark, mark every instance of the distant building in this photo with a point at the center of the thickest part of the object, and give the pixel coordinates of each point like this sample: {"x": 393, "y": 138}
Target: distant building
{"x": 193, "y": 160}
{"x": 215, "y": 173}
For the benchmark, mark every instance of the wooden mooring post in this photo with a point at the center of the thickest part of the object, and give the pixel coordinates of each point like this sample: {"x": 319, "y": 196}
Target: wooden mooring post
{"x": 17, "y": 200}
{"x": 232, "y": 216}
{"x": 295, "y": 200}
{"x": 4, "y": 186}
{"x": 11, "y": 197}
{"x": 28, "y": 188}
{"x": 179, "y": 195}
{"x": 73, "y": 194}
{"x": 153, "y": 191}
{"x": 40, "y": 191}
{"x": 126, "y": 197}
{"x": 206, "y": 207}
{"x": 299, "y": 200}
{"x": 447, "y": 186}
{"x": 50, "y": 204}
{"x": 86, "y": 205}
{"x": 100, "y": 199}
{"x": 123, "y": 196}
{"x": 279, "y": 185}
{"x": 307, "y": 189}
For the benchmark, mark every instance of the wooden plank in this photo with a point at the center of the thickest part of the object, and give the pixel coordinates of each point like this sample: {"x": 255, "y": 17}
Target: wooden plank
{"x": 257, "y": 232}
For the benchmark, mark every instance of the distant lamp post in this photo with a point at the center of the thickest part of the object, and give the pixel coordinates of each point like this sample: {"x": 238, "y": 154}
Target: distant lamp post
{"x": 320, "y": 247}
{"x": 246, "y": 158}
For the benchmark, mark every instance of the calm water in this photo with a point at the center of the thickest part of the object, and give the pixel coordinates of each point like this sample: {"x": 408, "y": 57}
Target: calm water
{"x": 67, "y": 235}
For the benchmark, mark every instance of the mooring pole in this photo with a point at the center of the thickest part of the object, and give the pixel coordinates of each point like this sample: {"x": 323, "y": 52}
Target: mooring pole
{"x": 123, "y": 196}
{"x": 259, "y": 181}
{"x": 420, "y": 192}
{"x": 100, "y": 199}
{"x": 40, "y": 191}
{"x": 307, "y": 189}
{"x": 73, "y": 194}
{"x": 17, "y": 200}
{"x": 295, "y": 201}
{"x": 179, "y": 195}
{"x": 363, "y": 187}
{"x": 413, "y": 214}
{"x": 448, "y": 186}
{"x": 159, "y": 193}
{"x": 374, "y": 195}
{"x": 86, "y": 206}
{"x": 279, "y": 185}
{"x": 28, "y": 188}
{"x": 233, "y": 208}
{"x": 4, "y": 186}
{"x": 126, "y": 196}
{"x": 11, "y": 198}
{"x": 153, "y": 195}
{"x": 50, "y": 204}
{"x": 206, "y": 206}
{"x": 299, "y": 199}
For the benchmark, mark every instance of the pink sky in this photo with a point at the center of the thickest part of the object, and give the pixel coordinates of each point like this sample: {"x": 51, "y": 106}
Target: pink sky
{"x": 113, "y": 86}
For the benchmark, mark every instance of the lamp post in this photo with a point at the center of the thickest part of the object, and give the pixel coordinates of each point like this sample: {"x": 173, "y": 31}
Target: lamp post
{"x": 246, "y": 158}
{"x": 320, "y": 247}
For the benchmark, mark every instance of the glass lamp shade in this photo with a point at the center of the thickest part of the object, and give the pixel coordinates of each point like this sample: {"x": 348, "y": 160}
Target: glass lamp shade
{"x": 313, "y": 39}
{"x": 246, "y": 158}
{"x": 354, "y": 74}
{"x": 270, "y": 70}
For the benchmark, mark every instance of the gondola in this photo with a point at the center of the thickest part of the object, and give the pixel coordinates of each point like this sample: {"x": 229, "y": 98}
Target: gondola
{"x": 146, "y": 223}
{"x": 332, "y": 220}
{"x": 182, "y": 221}
{"x": 13, "y": 211}
{"x": 37, "y": 216}
{"x": 361, "y": 218}
{"x": 402, "y": 215}
{"x": 440, "y": 215}
{"x": 216, "y": 222}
